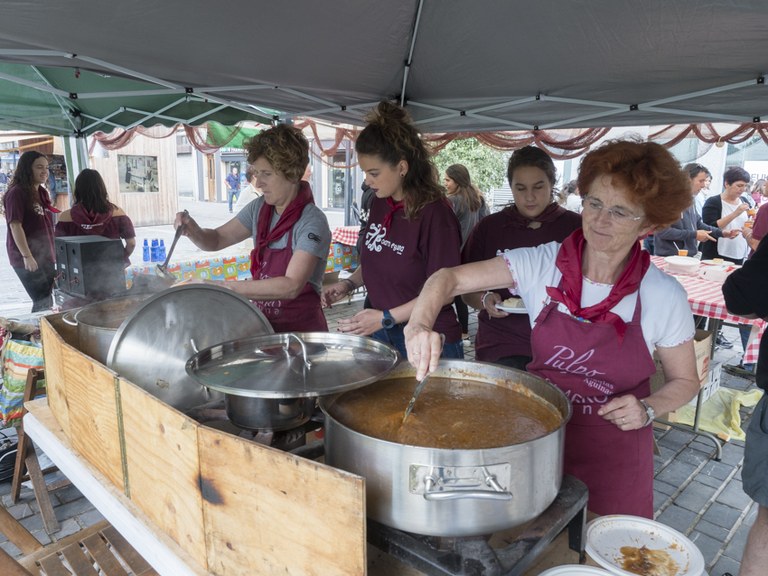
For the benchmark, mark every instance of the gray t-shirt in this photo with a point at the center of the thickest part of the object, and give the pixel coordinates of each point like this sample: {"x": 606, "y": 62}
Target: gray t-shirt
{"x": 310, "y": 234}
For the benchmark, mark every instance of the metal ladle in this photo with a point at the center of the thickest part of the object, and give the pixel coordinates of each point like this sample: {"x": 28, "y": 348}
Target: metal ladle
{"x": 162, "y": 269}
{"x": 416, "y": 392}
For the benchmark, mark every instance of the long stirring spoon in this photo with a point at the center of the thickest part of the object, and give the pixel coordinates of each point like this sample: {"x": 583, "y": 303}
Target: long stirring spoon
{"x": 416, "y": 392}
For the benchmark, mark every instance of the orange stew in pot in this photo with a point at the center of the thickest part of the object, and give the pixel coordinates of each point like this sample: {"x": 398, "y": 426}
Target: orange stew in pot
{"x": 452, "y": 414}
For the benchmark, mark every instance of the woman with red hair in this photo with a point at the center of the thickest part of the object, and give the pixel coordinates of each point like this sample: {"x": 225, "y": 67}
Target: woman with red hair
{"x": 599, "y": 310}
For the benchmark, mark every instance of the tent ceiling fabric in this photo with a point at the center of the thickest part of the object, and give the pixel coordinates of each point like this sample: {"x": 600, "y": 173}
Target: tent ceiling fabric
{"x": 462, "y": 66}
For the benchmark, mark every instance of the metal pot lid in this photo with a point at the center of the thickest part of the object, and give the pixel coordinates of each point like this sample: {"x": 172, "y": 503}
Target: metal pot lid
{"x": 152, "y": 346}
{"x": 292, "y": 365}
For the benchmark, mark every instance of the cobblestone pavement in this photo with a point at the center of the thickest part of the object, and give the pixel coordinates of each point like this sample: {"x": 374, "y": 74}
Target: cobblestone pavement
{"x": 693, "y": 493}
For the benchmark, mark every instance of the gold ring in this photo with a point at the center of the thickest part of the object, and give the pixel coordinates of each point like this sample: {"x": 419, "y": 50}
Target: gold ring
{"x": 623, "y": 420}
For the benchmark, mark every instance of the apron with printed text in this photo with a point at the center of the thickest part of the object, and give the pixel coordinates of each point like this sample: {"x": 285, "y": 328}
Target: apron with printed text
{"x": 302, "y": 314}
{"x": 587, "y": 362}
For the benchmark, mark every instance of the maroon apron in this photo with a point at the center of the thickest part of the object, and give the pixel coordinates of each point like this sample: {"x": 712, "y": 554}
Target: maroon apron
{"x": 586, "y": 361}
{"x": 302, "y": 314}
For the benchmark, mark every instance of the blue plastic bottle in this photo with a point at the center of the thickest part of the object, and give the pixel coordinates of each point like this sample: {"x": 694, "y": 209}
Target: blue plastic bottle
{"x": 154, "y": 250}
{"x": 161, "y": 251}
{"x": 145, "y": 253}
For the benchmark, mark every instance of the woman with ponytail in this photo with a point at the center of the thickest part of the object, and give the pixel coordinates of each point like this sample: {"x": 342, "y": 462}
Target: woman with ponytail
{"x": 411, "y": 233}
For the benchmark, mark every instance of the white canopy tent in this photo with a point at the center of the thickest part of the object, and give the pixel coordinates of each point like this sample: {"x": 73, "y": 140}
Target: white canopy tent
{"x": 458, "y": 66}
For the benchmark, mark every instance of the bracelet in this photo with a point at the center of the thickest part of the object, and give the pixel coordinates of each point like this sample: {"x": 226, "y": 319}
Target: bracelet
{"x": 351, "y": 284}
{"x": 482, "y": 300}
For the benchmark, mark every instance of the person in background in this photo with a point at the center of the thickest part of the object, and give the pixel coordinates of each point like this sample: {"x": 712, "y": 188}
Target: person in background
{"x": 599, "y": 309}
{"x": 93, "y": 214}
{"x": 290, "y": 234}
{"x": 469, "y": 206}
{"x": 729, "y": 212}
{"x": 690, "y": 230}
{"x": 534, "y": 218}
{"x": 250, "y": 192}
{"x": 29, "y": 213}
{"x": 232, "y": 183}
{"x": 703, "y": 195}
{"x": 759, "y": 192}
{"x": 744, "y": 292}
{"x": 412, "y": 232}
{"x": 572, "y": 197}
{"x": 759, "y": 229}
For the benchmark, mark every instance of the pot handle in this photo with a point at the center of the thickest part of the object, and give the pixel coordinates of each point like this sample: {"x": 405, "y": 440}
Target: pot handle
{"x": 497, "y": 492}
{"x": 69, "y": 318}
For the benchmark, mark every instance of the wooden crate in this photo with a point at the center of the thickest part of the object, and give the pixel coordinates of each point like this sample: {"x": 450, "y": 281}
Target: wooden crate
{"x": 233, "y": 506}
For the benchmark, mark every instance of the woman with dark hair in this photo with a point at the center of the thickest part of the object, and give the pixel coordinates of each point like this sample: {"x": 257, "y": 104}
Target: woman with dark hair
{"x": 469, "y": 206}
{"x": 534, "y": 218}
{"x": 94, "y": 215}
{"x": 728, "y": 211}
{"x": 412, "y": 232}
{"x": 599, "y": 309}
{"x": 290, "y": 234}
{"x": 29, "y": 213}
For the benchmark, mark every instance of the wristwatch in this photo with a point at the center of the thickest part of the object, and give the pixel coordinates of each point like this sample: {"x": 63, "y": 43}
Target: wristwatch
{"x": 388, "y": 320}
{"x": 649, "y": 411}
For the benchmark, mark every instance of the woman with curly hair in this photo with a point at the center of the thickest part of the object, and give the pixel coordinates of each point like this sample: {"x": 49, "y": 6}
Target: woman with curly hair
{"x": 29, "y": 213}
{"x": 599, "y": 309}
{"x": 93, "y": 214}
{"x": 290, "y": 234}
{"x": 412, "y": 232}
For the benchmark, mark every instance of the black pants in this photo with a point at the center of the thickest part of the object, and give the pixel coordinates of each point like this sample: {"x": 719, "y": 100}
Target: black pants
{"x": 38, "y": 284}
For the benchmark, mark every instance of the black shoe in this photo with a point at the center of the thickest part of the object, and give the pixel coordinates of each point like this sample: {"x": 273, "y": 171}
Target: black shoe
{"x": 721, "y": 342}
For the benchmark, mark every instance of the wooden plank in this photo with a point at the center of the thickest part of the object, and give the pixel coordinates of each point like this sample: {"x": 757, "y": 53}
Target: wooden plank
{"x": 81, "y": 563}
{"x": 53, "y": 349}
{"x": 270, "y": 512}
{"x": 52, "y": 566}
{"x": 135, "y": 561}
{"x": 83, "y": 400}
{"x": 9, "y": 566}
{"x": 167, "y": 557}
{"x": 41, "y": 493}
{"x": 109, "y": 565}
{"x": 16, "y": 533}
{"x": 163, "y": 467}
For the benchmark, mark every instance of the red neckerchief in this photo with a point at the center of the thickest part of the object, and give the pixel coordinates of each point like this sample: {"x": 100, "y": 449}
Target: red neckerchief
{"x": 393, "y": 207}
{"x": 569, "y": 262}
{"x": 88, "y": 220}
{"x": 289, "y": 217}
{"x": 551, "y": 213}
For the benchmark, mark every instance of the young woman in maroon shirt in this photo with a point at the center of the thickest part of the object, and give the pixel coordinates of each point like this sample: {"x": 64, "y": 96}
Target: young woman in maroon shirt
{"x": 412, "y": 232}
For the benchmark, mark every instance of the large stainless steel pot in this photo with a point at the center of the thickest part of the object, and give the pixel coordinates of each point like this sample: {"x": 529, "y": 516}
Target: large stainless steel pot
{"x": 454, "y": 493}
{"x": 97, "y": 323}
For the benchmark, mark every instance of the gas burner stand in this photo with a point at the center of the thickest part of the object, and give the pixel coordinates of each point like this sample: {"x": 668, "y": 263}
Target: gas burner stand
{"x": 475, "y": 556}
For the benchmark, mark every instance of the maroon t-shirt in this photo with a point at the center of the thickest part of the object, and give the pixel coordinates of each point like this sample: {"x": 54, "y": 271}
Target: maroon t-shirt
{"x": 113, "y": 227}
{"x": 37, "y": 224}
{"x": 397, "y": 261}
{"x": 510, "y": 336}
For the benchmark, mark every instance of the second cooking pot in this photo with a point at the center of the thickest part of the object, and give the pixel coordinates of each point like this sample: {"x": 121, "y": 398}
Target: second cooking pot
{"x": 97, "y": 323}
{"x": 453, "y": 493}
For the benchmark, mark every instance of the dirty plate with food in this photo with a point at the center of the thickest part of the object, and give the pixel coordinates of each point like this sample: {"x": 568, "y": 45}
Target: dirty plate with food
{"x": 636, "y": 546}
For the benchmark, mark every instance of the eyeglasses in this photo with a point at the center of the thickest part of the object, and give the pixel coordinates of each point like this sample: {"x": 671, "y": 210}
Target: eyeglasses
{"x": 617, "y": 215}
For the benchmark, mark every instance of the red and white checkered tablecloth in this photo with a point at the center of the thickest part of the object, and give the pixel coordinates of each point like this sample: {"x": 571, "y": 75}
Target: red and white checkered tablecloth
{"x": 346, "y": 235}
{"x": 706, "y": 299}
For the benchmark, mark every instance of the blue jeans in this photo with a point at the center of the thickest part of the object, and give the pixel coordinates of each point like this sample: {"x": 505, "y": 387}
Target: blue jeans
{"x": 395, "y": 338}
{"x": 232, "y": 195}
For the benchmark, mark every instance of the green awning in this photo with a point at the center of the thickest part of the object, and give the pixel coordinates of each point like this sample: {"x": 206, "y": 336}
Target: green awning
{"x": 229, "y": 136}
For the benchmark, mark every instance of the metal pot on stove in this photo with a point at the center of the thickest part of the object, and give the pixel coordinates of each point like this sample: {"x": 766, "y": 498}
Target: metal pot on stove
{"x": 453, "y": 492}
{"x": 272, "y": 382}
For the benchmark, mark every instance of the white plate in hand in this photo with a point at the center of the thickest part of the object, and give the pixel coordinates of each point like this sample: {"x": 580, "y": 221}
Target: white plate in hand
{"x": 608, "y": 534}
{"x": 510, "y": 309}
